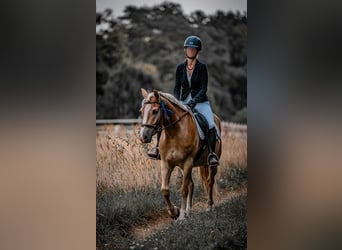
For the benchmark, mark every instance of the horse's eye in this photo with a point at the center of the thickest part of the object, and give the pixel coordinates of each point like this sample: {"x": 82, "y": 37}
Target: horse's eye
{"x": 155, "y": 111}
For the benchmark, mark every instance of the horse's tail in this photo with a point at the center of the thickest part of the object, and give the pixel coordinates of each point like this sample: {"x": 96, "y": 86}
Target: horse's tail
{"x": 204, "y": 170}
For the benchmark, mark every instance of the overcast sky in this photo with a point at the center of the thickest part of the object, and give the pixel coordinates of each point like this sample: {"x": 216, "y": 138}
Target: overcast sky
{"x": 207, "y": 6}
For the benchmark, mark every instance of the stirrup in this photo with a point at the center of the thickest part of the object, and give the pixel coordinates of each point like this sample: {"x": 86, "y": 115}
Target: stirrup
{"x": 215, "y": 157}
{"x": 154, "y": 155}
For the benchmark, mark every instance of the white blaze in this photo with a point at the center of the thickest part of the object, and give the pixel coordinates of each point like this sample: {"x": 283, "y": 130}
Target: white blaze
{"x": 146, "y": 110}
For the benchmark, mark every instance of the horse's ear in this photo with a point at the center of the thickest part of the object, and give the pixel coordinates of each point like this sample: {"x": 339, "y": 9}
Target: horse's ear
{"x": 156, "y": 94}
{"x": 144, "y": 93}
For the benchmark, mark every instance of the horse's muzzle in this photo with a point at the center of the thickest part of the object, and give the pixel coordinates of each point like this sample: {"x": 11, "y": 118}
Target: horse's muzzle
{"x": 146, "y": 134}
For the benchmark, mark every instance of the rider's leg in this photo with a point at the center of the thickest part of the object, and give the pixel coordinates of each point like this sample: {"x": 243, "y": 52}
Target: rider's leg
{"x": 154, "y": 152}
{"x": 212, "y": 157}
{"x": 205, "y": 109}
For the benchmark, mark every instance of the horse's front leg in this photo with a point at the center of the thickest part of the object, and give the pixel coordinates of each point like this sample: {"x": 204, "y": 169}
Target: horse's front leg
{"x": 166, "y": 171}
{"x": 212, "y": 173}
{"x": 190, "y": 194}
{"x": 186, "y": 200}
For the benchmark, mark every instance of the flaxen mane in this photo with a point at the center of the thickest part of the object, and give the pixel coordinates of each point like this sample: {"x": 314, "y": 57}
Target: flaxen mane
{"x": 173, "y": 100}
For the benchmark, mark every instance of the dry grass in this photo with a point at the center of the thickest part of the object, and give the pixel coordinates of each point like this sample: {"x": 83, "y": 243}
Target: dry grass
{"x": 234, "y": 145}
{"x": 122, "y": 162}
{"x": 128, "y": 196}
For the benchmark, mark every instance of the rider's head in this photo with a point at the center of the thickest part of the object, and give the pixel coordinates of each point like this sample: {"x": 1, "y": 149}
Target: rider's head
{"x": 192, "y": 45}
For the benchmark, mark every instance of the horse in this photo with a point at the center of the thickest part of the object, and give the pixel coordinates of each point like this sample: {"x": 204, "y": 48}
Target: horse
{"x": 179, "y": 145}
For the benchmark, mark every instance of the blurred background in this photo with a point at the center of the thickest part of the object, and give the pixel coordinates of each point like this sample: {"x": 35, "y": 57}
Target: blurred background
{"x": 294, "y": 120}
{"x": 140, "y": 43}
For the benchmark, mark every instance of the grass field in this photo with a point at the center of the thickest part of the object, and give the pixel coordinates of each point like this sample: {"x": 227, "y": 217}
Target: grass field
{"x": 131, "y": 212}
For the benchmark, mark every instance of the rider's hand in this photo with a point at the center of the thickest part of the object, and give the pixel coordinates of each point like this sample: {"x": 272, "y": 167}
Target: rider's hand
{"x": 190, "y": 104}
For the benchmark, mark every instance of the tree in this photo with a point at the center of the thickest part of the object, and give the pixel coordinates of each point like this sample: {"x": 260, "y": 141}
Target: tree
{"x": 143, "y": 47}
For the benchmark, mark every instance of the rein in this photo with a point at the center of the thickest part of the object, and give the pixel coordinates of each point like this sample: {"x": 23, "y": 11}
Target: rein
{"x": 173, "y": 123}
{"x": 156, "y": 126}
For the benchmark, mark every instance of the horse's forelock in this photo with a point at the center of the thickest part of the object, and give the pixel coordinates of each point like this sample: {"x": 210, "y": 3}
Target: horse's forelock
{"x": 147, "y": 99}
{"x": 150, "y": 96}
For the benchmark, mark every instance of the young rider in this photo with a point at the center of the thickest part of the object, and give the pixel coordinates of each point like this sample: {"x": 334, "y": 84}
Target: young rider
{"x": 191, "y": 88}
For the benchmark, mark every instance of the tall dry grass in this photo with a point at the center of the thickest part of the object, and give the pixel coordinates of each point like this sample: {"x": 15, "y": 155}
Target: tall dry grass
{"x": 234, "y": 145}
{"x": 128, "y": 184}
{"x": 122, "y": 163}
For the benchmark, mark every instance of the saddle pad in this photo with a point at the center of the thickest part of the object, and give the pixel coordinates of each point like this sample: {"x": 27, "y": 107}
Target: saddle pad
{"x": 199, "y": 129}
{"x": 201, "y": 132}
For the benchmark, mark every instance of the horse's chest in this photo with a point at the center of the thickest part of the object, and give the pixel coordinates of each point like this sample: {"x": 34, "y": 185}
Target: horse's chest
{"x": 176, "y": 156}
{"x": 176, "y": 150}
{"x": 172, "y": 153}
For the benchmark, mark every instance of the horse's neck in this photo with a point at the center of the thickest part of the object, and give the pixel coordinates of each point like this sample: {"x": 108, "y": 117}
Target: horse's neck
{"x": 177, "y": 111}
{"x": 178, "y": 120}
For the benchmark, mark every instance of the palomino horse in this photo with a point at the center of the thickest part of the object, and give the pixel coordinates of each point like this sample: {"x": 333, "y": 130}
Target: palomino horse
{"x": 179, "y": 145}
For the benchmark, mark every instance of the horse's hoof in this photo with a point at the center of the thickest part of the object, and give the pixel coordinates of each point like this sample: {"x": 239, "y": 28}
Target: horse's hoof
{"x": 181, "y": 219}
{"x": 182, "y": 216}
{"x": 210, "y": 208}
{"x": 174, "y": 213}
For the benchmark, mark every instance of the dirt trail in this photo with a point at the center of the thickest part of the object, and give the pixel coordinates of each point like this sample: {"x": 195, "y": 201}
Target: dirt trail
{"x": 162, "y": 222}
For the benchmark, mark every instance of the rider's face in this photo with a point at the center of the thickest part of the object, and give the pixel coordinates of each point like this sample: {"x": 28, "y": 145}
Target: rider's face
{"x": 190, "y": 52}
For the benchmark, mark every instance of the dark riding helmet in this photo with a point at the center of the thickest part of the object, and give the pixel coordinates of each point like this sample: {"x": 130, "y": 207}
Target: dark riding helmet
{"x": 194, "y": 42}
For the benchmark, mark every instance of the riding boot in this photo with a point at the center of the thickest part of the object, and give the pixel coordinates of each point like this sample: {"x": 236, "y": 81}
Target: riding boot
{"x": 212, "y": 157}
{"x": 154, "y": 152}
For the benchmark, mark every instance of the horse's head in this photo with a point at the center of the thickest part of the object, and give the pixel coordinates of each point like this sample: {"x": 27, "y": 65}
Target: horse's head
{"x": 151, "y": 115}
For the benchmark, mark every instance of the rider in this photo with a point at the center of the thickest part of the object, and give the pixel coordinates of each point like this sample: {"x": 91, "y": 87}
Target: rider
{"x": 192, "y": 81}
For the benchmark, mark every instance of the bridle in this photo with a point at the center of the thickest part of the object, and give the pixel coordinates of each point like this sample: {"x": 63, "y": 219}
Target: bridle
{"x": 157, "y": 127}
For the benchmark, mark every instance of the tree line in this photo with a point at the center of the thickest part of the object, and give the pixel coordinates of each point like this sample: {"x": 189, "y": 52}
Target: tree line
{"x": 142, "y": 48}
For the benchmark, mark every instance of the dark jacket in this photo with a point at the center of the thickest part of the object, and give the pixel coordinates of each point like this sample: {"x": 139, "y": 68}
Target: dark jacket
{"x": 199, "y": 83}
